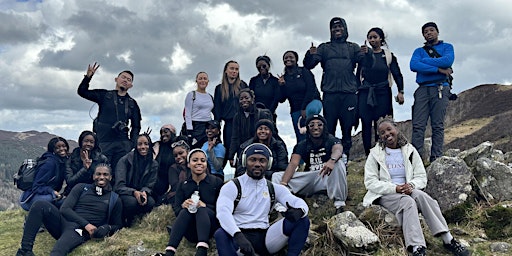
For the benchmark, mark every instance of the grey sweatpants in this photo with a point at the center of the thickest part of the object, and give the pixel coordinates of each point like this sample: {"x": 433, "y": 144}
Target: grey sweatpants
{"x": 406, "y": 209}
{"x": 307, "y": 183}
{"x": 427, "y": 104}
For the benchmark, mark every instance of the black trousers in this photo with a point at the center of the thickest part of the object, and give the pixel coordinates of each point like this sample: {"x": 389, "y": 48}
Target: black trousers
{"x": 196, "y": 227}
{"x": 341, "y": 107}
{"x": 371, "y": 114}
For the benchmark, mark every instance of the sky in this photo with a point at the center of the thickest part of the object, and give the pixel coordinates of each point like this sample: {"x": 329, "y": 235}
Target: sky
{"x": 45, "y": 47}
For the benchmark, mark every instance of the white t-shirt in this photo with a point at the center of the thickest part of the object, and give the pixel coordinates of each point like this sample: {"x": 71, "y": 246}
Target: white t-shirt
{"x": 396, "y": 166}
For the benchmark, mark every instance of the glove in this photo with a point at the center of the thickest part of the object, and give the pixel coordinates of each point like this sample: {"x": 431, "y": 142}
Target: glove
{"x": 101, "y": 231}
{"x": 293, "y": 214}
{"x": 245, "y": 245}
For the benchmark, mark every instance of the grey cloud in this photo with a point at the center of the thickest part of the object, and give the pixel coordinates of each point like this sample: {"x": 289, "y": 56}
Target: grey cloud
{"x": 19, "y": 28}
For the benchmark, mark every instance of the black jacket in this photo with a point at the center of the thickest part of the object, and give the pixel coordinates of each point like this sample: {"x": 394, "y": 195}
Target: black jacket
{"x": 279, "y": 156}
{"x": 209, "y": 189}
{"x": 76, "y": 172}
{"x": 225, "y": 110}
{"x": 266, "y": 93}
{"x": 125, "y": 173}
{"x": 299, "y": 88}
{"x": 107, "y": 114}
{"x": 243, "y": 127}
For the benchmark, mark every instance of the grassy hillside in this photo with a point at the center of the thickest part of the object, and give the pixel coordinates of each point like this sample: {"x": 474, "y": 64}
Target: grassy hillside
{"x": 151, "y": 230}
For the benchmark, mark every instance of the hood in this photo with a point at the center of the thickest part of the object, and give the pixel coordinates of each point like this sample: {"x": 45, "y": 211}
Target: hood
{"x": 344, "y": 37}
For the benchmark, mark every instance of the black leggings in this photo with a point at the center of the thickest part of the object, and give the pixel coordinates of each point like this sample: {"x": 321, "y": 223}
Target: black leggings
{"x": 369, "y": 114}
{"x": 131, "y": 208}
{"x": 43, "y": 212}
{"x": 196, "y": 227}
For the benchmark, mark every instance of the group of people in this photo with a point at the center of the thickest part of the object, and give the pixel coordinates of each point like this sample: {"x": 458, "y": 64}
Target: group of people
{"x": 186, "y": 169}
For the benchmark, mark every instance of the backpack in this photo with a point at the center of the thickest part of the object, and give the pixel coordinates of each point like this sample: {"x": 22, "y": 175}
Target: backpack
{"x": 239, "y": 194}
{"x": 24, "y": 178}
{"x": 111, "y": 202}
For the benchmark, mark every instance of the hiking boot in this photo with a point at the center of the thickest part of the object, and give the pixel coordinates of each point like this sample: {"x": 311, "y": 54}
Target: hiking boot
{"x": 457, "y": 248}
{"x": 421, "y": 251}
{"x": 21, "y": 252}
{"x": 201, "y": 251}
{"x": 169, "y": 253}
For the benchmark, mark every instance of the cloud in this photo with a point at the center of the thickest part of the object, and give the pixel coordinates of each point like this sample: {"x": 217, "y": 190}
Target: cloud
{"x": 46, "y": 46}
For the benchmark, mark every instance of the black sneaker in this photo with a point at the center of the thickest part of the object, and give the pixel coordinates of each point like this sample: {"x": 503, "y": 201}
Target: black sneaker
{"x": 21, "y": 252}
{"x": 457, "y": 248}
{"x": 339, "y": 210}
{"x": 201, "y": 251}
{"x": 421, "y": 251}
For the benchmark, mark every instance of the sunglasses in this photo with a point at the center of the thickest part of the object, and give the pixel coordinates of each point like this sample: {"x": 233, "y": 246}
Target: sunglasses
{"x": 264, "y": 66}
{"x": 312, "y": 125}
{"x": 180, "y": 143}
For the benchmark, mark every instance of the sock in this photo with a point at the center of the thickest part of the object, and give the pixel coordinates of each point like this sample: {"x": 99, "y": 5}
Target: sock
{"x": 447, "y": 237}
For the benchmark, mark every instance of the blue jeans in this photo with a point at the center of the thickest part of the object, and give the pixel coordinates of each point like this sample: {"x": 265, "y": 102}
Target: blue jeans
{"x": 313, "y": 108}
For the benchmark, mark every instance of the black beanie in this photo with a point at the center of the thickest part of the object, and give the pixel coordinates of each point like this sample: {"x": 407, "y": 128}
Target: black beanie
{"x": 264, "y": 58}
{"x": 335, "y": 20}
{"x": 429, "y": 24}
{"x": 316, "y": 117}
{"x": 265, "y": 122}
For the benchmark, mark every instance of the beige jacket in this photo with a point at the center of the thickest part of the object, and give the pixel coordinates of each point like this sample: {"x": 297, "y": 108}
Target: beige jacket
{"x": 376, "y": 175}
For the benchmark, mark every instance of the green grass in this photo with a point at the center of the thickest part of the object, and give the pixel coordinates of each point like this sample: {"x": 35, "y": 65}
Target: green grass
{"x": 151, "y": 230}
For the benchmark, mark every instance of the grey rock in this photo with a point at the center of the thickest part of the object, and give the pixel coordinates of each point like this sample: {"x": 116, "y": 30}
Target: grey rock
{"x": 494, "y": 179}
{"x": 500, "y": 247}
{"x": 449, "y": 182}
{"x": 378, "y": 215}
{"x": 352, "y": 233}
{"x": 507, "y": 157}
{"x": 497, "y": 155}
{"x": 471, "y": 155}
{"x": 452, "y": 152}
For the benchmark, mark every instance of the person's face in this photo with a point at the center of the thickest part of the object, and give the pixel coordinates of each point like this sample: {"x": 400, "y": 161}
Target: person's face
{"x": 337, "y": 30}
{"x": 143, "y": 145}
{"x": 202, "y": 80}
{"x": 374, "y": 40}
{"x": 430, "y": 34}
{"x": 61, "y": 149}
{"x": 232, "y": 70}
{"x": 212, "y": 132}
{"x": 88, "y": 143}
{"x": 101, "y": 176}
{"x": 316, "y": 128}
{"x": 256, "y": 166}
{"x": 388, "y": 134}
{"x": 180, "y": 155}
{"x": 165, "y": 135}
{"x": 197, "y": 163}
{"x": 262, "y": 67}
{"x": 245, "y": 100}
{"x": 123, "y": 82}
{"x": 289, "y": 60}
{"x": 263, "y": 133}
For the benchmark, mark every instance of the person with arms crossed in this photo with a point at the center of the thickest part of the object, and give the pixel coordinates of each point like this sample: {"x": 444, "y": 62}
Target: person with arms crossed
{"x": 117, "y": 113}
{"x": 243, "y": 212}
{"x": 431, "y": 97}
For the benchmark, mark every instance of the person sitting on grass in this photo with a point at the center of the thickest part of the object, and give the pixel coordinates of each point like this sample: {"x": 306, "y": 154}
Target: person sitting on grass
{"x": 89, "y": 211}
{"x": 195, "y": 220}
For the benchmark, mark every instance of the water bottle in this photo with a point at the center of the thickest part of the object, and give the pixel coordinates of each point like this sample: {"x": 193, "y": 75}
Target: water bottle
{"x": 193, "y": 207}
{"x": 344, "y": 159}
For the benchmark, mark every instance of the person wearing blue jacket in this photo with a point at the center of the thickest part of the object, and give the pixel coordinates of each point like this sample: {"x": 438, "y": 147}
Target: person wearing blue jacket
{"x": 49, "y": 176}
{"x": 431, "y": 98}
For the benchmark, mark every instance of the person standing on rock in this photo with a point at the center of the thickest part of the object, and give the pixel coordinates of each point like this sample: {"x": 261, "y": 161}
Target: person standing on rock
{"x": 432, "y": 64}
{"x": 394, "y": 176}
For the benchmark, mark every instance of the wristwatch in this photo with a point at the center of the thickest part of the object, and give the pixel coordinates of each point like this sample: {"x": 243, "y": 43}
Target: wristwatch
{"x": 334, "y": 159}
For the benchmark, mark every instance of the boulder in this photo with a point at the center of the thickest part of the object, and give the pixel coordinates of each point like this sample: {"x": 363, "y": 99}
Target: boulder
{"x": 494, "y": 179}
{"x": 471, "y": 155}
{"x": 501, "y": 247}
{"x": 352, "y": 233}
{"x": 449, "y": 182}
{"x": 452, "y": 152}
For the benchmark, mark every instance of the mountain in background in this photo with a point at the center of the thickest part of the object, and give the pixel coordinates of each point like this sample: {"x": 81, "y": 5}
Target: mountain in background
{"x": 483, "y": 113}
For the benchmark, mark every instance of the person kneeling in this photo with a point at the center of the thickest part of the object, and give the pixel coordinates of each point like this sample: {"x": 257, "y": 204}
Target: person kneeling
{"x": 90, "y": 211}
{"x": 243, "y": 211}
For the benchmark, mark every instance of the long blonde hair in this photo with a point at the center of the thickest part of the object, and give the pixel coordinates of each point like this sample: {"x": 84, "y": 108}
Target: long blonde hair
{"x": 225, "y": 93}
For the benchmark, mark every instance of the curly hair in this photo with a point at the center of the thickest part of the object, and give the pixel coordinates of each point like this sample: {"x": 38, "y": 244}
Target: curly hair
{"x": 401, "y": 140}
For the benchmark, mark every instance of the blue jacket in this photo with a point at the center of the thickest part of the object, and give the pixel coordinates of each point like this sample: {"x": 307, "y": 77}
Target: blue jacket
{"x": 49, "y": 177}
{"x": 426, "y": 67}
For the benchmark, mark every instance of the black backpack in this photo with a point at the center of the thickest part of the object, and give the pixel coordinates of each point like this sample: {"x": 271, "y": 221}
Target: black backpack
{"x": 24, "y": 178}
{"x": 239, "y": 194}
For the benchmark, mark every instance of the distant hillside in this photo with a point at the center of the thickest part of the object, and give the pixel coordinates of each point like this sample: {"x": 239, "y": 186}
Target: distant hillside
{"x": 482, "y": 113}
